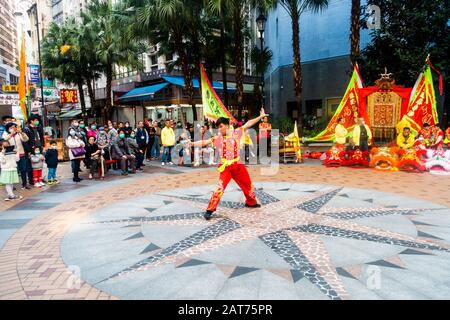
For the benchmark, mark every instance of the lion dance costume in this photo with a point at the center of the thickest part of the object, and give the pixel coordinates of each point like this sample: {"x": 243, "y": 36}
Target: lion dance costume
{"x": 230, "y": 167}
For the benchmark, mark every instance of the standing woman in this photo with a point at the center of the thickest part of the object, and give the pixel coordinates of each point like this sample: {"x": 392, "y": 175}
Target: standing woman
{"x": 76, "y": 152}
{"x": 340, "y": 134}
{"x": 156, "y": 148}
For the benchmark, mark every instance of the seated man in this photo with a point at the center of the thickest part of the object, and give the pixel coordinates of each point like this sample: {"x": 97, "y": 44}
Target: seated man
{"x": 447, "y": 137}
{"x": 121, "y": 150}
{"x": 136, "y": 150}
{"x": 405, "y": 139}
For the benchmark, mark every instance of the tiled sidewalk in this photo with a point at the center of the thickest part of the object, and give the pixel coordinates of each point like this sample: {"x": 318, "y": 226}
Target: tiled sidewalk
{"x": 30, "y": 263}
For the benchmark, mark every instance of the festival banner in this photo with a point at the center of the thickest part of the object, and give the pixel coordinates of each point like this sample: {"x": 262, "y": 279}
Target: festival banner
{"x": 69, "y": 95}
{"x": 22, "y": 81}
{"x": 213, "y": 108}
{"x": 349, "y": 109}
{"x": 422, "y": 103}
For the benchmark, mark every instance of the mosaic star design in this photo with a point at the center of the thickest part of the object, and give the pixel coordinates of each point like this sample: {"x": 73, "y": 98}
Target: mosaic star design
{"x": 291, "y": 228}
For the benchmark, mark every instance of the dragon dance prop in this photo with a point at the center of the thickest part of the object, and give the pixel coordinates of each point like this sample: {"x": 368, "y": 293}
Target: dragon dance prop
{"x": 349, "y": 109}
{"x": 438, "y": 161}
{"x": 213, "y": 108}
{"x": 294, "y": 139}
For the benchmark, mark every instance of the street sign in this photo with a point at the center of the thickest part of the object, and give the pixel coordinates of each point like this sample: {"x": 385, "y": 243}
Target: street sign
{"x": 69, "y": 95}
{"x": 10, "y": 88}
{"x": 34, "y": 73}
{"x": 9, "y": 99}
{"x": 49, "y": 94}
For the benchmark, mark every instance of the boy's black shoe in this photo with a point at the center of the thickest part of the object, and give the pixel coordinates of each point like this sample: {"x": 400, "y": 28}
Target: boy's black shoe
{"x": 254, "y": 206}
{"x": 208, "y": 215}
{"x": 124, "y": 173}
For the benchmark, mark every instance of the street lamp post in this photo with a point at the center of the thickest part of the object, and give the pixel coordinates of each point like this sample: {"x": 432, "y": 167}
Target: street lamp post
{"x": 261, "y": 24}
{"x": 34, "y": 9}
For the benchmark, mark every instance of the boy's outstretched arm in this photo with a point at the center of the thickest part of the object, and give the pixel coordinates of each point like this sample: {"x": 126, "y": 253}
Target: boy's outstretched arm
{"x": 252, "y": 122}
{"x": 200, "y": 143}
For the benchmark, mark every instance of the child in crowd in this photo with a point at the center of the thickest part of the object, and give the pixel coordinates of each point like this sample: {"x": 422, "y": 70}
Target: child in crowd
{"x": 37, "y": 164}
{"x": 51, "y": 159}
{"x": 9, "y": 175}
{"x": 183, "y": 141}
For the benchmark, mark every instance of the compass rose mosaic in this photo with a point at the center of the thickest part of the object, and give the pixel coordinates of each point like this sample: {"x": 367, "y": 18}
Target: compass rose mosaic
{"x": 305, "y": 242}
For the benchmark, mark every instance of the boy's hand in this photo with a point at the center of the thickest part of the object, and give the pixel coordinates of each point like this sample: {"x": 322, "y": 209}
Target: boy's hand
{"x": 262, "y": 113}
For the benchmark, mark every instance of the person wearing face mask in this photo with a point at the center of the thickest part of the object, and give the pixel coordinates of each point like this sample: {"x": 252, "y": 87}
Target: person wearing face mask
{"x": 34, "y": 132}
{"x": 137, "y": 151}
{"x": 51, "y": 159}
{"x": 17, "y": 138}
{"x": 76, "y": 152}
{"x": 83, "y": 131}
{"x": 93, "y": 131}
{"x": 37, "y": 164}
{"x": 121, "y": 150}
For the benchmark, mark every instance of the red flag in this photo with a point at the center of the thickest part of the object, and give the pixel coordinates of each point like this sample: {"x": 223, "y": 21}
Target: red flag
{"x": 349, "y": 109}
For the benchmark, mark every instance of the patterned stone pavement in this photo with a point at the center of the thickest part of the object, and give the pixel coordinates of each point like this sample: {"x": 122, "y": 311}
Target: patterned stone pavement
{"x": 321, "y": 234}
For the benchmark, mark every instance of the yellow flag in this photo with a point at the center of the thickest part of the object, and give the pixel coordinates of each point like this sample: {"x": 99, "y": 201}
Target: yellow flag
{"x": 22, "y": 85}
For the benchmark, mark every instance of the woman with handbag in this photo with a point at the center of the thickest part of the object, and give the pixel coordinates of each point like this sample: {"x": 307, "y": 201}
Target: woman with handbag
{"x": 76, "y": 152}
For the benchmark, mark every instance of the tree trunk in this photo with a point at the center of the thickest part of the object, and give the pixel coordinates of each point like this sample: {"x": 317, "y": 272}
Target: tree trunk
{"x": 82, "y": 101}
{"x": 108, "y": 104}
{"x": 91, "y": 94}
{"x": 354, "y": 30}
{"x": 223, "y": 59}
{"x": 297, "y": 69}
{"x": 187, "y": 73}
{"x": 239, "y": 54}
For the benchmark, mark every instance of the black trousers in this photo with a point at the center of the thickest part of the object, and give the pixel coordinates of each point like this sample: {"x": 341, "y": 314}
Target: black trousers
{"x": 75, "y": 163}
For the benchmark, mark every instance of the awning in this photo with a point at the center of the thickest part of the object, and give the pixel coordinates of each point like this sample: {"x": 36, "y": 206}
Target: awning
{"x": 142, "y": 93}
{"x": 179, "y": 81}
{"x": 69, "y": 114}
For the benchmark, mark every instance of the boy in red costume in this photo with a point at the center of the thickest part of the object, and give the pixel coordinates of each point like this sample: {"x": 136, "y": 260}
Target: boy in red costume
{"x": 230, "y": 166}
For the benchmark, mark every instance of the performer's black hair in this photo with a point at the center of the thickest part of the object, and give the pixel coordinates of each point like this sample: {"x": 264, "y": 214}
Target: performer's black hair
{"x": 223, "y": 120}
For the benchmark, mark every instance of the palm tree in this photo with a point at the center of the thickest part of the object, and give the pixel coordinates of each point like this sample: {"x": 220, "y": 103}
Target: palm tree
{"x": 237, "y": 10}
{"x": 168, "y": 24}
{"x": 115, "y": 45}
{"x": 261, "y": 61}
{"x": 354, "y": 30}
{"x": 65, "y": 65}
{"x": 295, "y": 8}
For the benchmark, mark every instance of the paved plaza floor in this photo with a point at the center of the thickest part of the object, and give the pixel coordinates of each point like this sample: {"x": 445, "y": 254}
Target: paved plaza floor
{"x": 321, "y": 233}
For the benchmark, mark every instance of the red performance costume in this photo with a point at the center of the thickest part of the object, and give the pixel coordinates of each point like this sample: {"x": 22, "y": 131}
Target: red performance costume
{"x": 230, "y": 167}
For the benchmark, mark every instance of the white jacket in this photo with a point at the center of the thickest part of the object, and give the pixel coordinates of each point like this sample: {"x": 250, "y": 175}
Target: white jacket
{"x": 73, "y": 143}
{"x": 9, "y": 161}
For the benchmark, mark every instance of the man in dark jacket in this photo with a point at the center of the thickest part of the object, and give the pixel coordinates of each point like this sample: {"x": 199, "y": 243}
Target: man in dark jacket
{"x": 35, "y": 133}
{"x": 142, "y": 137}
{"x": 120, "y": 150}
{"x": 136, "y": 150}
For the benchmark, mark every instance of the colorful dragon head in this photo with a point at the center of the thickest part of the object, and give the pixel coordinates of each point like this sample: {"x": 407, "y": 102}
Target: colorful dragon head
{"x": 411, "y": 160}
{"x": 357, "y": 158}
{"x": 334, "y": 157}
{"x": 438, "y": 161}
{"x": 384, "y": 158}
